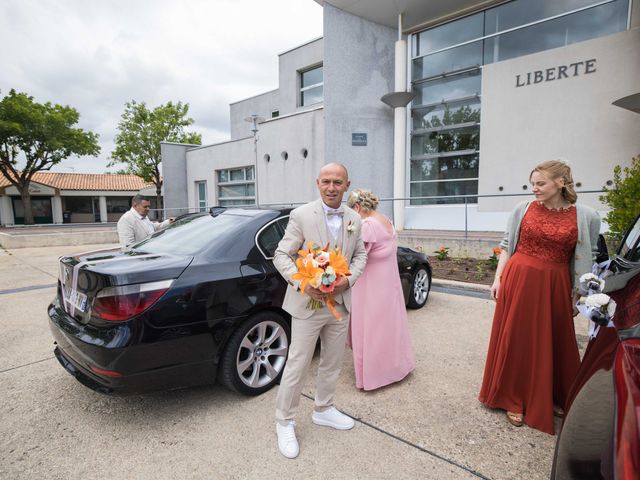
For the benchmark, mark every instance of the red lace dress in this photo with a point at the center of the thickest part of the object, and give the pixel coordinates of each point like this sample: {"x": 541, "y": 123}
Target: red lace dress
{"x": 533, "y": 355}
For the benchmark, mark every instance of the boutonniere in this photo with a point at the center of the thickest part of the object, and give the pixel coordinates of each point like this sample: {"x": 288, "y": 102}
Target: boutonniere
{"x": 350, "y": 227}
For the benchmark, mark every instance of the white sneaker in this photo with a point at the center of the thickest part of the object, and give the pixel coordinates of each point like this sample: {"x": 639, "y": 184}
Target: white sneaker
{"x": 287, "y": 441}
{"x": 333, "y": 418}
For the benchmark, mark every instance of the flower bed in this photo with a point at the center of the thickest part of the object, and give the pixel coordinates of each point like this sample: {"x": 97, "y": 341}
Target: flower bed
{"x": 463, "y": 269}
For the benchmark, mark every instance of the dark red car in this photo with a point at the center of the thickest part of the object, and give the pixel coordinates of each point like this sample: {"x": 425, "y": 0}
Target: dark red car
{"x": 600, "y": 436}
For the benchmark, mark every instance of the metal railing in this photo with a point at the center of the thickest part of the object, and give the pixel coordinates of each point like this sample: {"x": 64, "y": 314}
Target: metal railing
{"x": 467, "y": 201}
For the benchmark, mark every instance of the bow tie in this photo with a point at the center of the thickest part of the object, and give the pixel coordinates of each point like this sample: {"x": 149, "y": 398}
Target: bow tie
{"x": 335, "y": 213}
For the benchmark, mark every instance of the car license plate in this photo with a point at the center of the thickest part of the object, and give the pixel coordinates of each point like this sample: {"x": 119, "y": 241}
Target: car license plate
{"x": 77, "y": 299}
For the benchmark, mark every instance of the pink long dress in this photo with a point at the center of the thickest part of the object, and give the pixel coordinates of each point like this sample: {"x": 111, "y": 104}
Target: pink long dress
{"x": 379, "y": 330}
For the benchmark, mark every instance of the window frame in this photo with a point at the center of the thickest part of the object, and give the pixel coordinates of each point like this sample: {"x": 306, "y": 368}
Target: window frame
{"x": 302, "y": 90}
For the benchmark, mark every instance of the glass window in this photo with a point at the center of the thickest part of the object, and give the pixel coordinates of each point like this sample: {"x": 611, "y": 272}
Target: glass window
{"x": 520, "y": 12}
{"x": 269, "y": 238}
{"x": 236, "y": 186}
{"x": 311, "y": 86}
{"x": 201, "y": 189}
{"x": 118, "y": 204}
{"x": 466, "y": 56}
{"x": 275, "y": 113}
{"x": 447, "y": 140}
{"x": 79, "y": 204}
{"x": 448, "y": 88}
{"x": 594, "y": 22}
{"x": 311, "y": 77}
{"x": 444, "y": 114}
{"x": 452, "y": 33}
{"x": 194, "y": 233}
{"x": 442, "y": 189}
{"x": 445, "y": 168}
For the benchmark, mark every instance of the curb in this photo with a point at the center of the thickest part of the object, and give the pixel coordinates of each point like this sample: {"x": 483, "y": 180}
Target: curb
{"x": 472, "y": 287}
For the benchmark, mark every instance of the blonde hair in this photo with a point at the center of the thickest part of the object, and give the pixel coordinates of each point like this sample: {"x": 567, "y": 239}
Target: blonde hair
{"x": 367, "y": 200}
{"x": 556, "y": 170}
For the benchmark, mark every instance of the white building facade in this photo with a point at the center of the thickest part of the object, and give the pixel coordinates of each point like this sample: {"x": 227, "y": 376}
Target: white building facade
{"x": 498, "y": 88}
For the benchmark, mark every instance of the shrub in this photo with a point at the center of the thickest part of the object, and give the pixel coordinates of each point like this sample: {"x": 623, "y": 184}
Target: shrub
{"x": 493, "y": 259}
{"x": 622, "y": 198}
{"x": 442, "y": 253}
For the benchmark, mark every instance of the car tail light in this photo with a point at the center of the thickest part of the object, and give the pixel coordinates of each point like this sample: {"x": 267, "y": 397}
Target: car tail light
{"x": 627, "y": 376}
{"x": 106, "y": 373}
{"x": 116, "y": 304}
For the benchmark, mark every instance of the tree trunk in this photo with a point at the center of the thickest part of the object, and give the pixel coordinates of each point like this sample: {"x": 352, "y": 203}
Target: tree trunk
{"x": 26, "y": 205}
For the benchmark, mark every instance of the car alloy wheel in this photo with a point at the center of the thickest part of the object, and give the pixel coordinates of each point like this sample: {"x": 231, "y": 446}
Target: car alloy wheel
{"x": 419, "y": 288}
{"x": 256, "y": 354}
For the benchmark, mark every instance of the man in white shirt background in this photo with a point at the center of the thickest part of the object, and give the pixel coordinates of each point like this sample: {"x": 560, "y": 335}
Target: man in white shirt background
{"x": 135, "y": 225}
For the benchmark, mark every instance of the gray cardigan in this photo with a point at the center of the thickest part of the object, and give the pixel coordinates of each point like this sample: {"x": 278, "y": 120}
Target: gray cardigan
{"x": 586, "y": 248}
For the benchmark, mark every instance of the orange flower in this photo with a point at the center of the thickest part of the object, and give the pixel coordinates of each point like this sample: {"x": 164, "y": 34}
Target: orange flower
{"x": 497, "y": 251}
{"x": 306, "y": 273}
{"x": 339, "y": 263}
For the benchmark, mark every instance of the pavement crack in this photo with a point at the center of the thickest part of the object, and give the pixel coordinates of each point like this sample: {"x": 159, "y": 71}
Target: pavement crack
{"x": 26, "y": 364}
{"x": 413, "y": 445}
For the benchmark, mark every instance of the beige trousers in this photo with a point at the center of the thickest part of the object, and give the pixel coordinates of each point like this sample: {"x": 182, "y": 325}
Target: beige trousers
{"x": 304, "y": 336}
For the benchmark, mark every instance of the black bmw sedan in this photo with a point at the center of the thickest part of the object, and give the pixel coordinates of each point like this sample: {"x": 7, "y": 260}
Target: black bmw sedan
{"x": 197, "y": 301}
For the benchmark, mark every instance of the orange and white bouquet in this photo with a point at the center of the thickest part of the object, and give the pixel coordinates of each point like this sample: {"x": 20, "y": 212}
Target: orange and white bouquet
{"x": 321, "y": 268}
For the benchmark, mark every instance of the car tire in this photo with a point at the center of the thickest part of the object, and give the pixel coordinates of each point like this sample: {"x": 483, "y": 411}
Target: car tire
{"x": 420, "y": 287}
{"x": 256, "y": 353}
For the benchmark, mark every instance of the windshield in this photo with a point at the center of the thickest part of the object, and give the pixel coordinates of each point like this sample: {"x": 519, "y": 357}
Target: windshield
{"x": 190, "y": 235}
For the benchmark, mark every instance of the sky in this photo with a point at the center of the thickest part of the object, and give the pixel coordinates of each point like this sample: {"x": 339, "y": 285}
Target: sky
{"x": 97, "y": 55}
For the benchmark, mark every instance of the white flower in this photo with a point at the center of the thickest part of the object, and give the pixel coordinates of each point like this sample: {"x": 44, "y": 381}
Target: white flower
{"x": 588, "y": 276}
{"x": 322, "y": 258}
{"x": 597, "y": 300}
{"x": 611, "y": 308}
{"x": 350, "y": 227}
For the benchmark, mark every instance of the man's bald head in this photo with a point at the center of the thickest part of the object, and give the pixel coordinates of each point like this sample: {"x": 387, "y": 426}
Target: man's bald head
{"x": 333, "y": 166}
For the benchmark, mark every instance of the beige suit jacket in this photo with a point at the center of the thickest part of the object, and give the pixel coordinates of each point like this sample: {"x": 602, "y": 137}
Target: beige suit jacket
{"x": 307, "y": 223}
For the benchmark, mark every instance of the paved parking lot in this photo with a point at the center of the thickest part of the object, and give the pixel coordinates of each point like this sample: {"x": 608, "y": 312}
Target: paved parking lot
{"x": 428, "y": 426}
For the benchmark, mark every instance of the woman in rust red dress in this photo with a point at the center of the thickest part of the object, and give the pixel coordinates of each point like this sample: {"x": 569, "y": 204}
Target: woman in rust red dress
{"x": 533, "y": 355}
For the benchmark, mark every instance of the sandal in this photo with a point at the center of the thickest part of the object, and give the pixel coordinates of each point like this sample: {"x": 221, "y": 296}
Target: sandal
{"x": 515, "y": 419}
{"x": 558, "y": 411}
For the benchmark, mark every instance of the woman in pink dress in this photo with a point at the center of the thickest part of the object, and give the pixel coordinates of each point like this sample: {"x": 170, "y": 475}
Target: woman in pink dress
{"x": 379, "y": 330}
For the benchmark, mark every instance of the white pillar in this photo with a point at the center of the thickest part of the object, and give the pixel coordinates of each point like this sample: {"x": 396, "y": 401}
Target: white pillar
{"x": 103, "y": 208}
{"x": 400, "y": 131}
{"x": 56, "y": 207}
{"x": 6, "y": 210}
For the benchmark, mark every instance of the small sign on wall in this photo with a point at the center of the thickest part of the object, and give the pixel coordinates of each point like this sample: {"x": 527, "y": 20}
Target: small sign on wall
{"x": 358, "y": 139}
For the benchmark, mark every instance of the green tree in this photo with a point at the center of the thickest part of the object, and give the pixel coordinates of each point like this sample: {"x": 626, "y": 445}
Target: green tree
{"x": 140, "y": 132}
{"x": 40, "y": 136}
{"x": 623, "y": 198}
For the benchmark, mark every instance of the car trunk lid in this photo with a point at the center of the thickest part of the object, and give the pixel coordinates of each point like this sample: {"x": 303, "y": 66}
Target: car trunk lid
{"x": 81, "y": 277}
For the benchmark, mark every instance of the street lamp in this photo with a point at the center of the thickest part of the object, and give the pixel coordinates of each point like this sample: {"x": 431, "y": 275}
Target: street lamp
{"x": 255, "y": 119}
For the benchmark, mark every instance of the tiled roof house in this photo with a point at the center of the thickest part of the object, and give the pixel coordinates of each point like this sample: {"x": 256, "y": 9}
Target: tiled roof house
{"x": 73, "y": 197}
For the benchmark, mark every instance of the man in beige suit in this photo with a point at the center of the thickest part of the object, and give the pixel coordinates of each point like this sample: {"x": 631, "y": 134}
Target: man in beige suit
{"x": 322, "y": 221}
{"x": 135, "y": 225}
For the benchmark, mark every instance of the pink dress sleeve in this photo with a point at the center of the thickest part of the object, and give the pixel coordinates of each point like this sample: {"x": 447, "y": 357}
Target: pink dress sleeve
{"x": 368, "y": 234}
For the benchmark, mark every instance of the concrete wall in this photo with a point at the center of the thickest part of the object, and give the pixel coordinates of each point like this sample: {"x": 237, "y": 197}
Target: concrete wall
{"x": 202, "y": 163}
{"x": 290, "y": 63}
{"x": 358, "y": 70}
{"x": 261, "y": 105}
{"x": 174, "y": 174}
{"x": 291, "y": 180}
{"x": 570, "y": 118}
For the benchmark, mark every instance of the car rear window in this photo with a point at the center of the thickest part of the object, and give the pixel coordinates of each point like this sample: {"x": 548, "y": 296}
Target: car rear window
{"x": 190, "y": 235}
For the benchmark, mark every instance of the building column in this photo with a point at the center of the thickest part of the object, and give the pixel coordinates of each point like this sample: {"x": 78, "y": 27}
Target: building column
{"x": 400, "y": 132}
{"x": 6, "y": 211}
{"x": 56, "y": 209}
{"x": 103, "y": 209}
